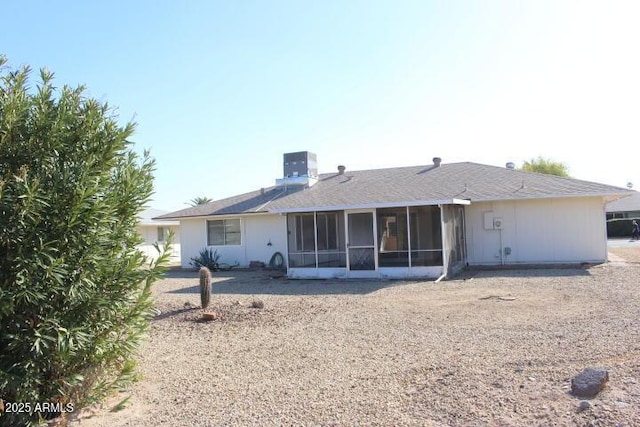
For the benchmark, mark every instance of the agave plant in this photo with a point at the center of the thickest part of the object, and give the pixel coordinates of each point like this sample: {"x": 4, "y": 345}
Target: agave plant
{"x": 207, "y": 258}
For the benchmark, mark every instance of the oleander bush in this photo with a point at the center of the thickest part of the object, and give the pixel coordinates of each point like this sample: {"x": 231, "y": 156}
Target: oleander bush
{"x": 75, "y": 293}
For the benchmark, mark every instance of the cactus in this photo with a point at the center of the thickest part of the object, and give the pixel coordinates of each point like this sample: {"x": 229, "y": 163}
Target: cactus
{"x": 205, "y": 287}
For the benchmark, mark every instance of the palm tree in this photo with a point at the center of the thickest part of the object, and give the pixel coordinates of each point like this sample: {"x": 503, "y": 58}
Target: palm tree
{"x": 199, "y": 201}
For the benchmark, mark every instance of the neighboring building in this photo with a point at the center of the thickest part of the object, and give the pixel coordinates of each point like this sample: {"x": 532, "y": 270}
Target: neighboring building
{"x": 417, "y": 221}
{"x": 620, "y": 215}
{"x": 157, "y": 231}
{"x": 627, "y": 207}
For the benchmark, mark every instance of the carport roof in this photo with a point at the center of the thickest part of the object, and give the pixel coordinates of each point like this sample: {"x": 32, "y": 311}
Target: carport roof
{"x": 404, "y": 186}
{"x": 625, "y": 204}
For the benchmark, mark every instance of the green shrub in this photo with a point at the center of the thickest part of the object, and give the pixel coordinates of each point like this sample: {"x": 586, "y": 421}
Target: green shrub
{"x": 620, "y": 227}
{"x": 207, "y": 258}
{"x": 74, "y": 290}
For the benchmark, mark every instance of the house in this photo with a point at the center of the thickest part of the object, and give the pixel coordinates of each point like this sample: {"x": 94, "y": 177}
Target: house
{"x": 627, "y": 207}
{"x": 156, "y": 231}
{"x": 416, "y": 221}
{"x": 620, "y": 214}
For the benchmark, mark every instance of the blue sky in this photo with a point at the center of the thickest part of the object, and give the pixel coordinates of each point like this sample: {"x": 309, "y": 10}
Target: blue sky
{"x": 220, "y": 90}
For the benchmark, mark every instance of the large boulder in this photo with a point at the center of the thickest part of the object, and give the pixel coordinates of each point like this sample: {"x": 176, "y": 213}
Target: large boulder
{"x": 589, "y": 382}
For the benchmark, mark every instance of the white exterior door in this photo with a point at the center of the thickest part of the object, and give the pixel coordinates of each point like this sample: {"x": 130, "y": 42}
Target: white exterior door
{"x": 361, "y": 244}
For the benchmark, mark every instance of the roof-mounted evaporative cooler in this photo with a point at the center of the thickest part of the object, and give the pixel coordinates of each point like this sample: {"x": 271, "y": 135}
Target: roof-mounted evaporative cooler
{"x": 300, "y": 168}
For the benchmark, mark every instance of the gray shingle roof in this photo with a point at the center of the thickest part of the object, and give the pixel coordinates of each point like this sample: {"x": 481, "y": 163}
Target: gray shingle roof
{"x": 146, "y": 218}
{"x": 406, "y": 185}
{"x": 626, "y": 204}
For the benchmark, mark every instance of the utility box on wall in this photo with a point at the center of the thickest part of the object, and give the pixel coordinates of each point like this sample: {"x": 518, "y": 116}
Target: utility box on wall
{"x": 488, "y": 220}
{"x": 491, "y": 222}
{"x": 498, "y": 223}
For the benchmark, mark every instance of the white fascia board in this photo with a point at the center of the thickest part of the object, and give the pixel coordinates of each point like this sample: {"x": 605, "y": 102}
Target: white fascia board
{"x": 158, "y": 223}
{"x": 551, "y": 196}
{"x": 224, "y": 216}
{"x": 374, "y": 205}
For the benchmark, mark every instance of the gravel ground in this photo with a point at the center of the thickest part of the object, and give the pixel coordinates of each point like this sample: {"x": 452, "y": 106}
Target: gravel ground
{"x": 631, "y": 254}
{"x": 492, "y": 348}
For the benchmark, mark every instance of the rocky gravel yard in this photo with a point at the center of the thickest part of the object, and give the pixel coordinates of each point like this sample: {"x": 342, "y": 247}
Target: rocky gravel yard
{"x": 491, "y": 348}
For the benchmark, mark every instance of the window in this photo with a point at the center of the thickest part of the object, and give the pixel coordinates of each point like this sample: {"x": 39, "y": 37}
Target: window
{"x": 163, "y": 233}
{"x": 223, "y": 232}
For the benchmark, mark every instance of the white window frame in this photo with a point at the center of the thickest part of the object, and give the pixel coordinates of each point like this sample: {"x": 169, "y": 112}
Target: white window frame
{"x": 224, "y": 227}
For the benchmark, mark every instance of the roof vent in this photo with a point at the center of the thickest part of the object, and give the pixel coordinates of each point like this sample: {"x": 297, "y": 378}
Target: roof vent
{"x": 341, "y": 169}
{"x": 437, "y": 161}
{"x": 510, "y": 165}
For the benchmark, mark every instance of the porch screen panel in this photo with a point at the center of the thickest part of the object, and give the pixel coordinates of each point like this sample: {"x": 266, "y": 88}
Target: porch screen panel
{"x": 301, "y": 240}
{"x": 426, "y": 236}
{"x": 331, "y": 241}
{"x": 393, "y": 241}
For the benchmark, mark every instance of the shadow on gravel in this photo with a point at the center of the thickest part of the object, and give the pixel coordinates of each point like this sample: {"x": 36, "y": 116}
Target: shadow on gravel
{"x": 572, "y": 271}
{"x": 172, "y": 313}
{"x": 265, "y": 282}
{"x": 271, "y": 283}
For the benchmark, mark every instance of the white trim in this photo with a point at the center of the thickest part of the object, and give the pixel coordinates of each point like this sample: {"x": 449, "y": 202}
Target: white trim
{"x": 606, "y": 237}
{"x": 286, "y": 240}
{"x": 443, "y": 237}
{"x": 432, "y": 272}
{"x": 160, "y": 223}
{"x": 315, "y": 236}
{"x": 369, "y": 206}
{"x": 549, "y": 196}
{"x": 317, "y": 273}
{"x": 222, "y": 216}
{"x": 242, "y": 233}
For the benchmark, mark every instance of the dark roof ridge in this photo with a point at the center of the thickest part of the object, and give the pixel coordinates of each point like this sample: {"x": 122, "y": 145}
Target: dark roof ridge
{"x": 346, "y": 172}
{"x": 568, "y": 178}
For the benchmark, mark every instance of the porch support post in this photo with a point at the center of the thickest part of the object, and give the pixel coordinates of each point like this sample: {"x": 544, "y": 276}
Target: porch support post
{"x": 315, "y": 236}
{"x": 409, "y": 237}
{"x": 445, "y": 261}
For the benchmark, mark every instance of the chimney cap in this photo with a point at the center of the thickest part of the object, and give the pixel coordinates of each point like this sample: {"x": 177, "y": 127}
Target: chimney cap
{"x": 341, "y": 169}
{"x": 437, "y": 161}
{"x": 510, "y": 165}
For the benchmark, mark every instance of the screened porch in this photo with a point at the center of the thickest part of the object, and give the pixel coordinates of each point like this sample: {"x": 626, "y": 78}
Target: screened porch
{"x": 382, "y": 242}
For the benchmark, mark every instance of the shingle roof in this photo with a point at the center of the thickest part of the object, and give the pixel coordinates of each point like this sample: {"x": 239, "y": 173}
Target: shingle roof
{"x": 252, "y": 202}
{"x": 406, "y": 185}
{"x": 146, "y": 218}
{"x": 626, "y": 204}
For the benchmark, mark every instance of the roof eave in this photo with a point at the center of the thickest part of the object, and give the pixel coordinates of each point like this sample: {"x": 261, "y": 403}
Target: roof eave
{"x": 549, "y": 196}
{"x": 373, "y": 205}
{"x": 159, "y": 223}
{"x": 213, "y": 215}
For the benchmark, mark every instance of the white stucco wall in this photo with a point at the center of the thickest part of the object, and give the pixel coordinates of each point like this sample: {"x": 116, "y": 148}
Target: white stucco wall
{"x": 150, "y": 235}
{"x": 538, "y": 231}
{"x": 256, "y": 232}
